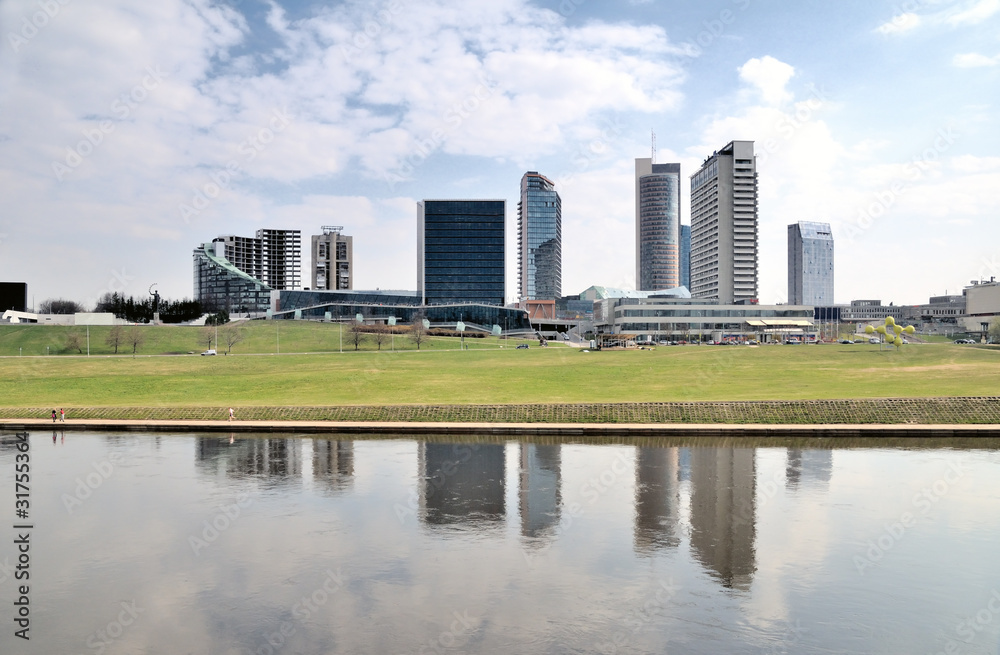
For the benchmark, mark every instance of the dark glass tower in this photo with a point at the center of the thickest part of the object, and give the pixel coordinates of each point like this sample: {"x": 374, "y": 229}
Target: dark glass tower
{"x": 460, "y": 251}
{"x": 539, "y": 239}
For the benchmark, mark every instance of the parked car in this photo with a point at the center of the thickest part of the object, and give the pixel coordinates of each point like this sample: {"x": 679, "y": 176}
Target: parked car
{"x": 846, "y": 341}
{"x": 873, "y": 340}
{"x": 522, "y": 346}
{"x": 210, "y": 351}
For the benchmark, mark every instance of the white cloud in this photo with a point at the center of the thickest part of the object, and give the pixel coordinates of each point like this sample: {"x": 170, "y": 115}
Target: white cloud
{"x": 974, "y": 60}
{"x": 769, "y": 76}
{"x": 975, "y": 14}
{"x": 900, "y": 24}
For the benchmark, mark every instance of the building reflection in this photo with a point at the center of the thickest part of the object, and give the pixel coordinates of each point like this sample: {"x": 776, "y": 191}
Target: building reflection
{"x": 657, "y": 499}
{"x": 539, "y": 485}
{"x": 461, "y": 484}
{"x": 810, "y": 468}
{"x": 278, "y": 460}
{"x": 333, "y": 464}
{"x": 723, "y": 501}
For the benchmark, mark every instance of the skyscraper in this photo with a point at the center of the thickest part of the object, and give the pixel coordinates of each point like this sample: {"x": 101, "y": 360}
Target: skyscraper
{"x": 332, "y": 260}
{"x": 281, "y": 251}
{"x": 724, "y": 226}
{"x": 539, "y": 239}
{"x": 657, "y": 225}
{"x": 810, "y": 264}
{"x": 686, "y": 256}
{"x": 460, "y": 251}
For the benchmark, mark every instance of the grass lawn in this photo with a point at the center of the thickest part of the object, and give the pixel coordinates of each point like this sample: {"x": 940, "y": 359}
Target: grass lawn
{"x": 485, "y": 374}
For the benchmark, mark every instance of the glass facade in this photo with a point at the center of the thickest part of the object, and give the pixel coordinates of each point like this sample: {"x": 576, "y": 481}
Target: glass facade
{"x": 460, "y": 251}
{"x": 658, "y": 239}
{"x": 218, "y": 285}
{"x": 378, "y": 305}
{"x": 539, "y": 239}
{"x": 810, "y": 264}
{"x": 686, "y": 256}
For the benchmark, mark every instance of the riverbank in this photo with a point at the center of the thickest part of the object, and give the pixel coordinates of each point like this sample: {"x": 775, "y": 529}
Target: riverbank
{"x": 877, "y": 413}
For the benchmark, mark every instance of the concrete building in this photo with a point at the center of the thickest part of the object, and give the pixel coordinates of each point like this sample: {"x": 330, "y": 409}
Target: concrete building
{"x": 982, "y": 305}
{"x": 539, "y": 239}
{"x": 219, "y": 285}
{"x": 332, "y": 260}
{"x": 870, "y": 310}
{"x": 810, "y": 264}
{"x": 668, "y": 318}
{"x": 657, "y": 225}
{"x": 460, "y": 251}
{"x": 686, "y": 256}
{"x": 724, "y": 226}
{"x": 242, "y": 252}
{"x": 281, "y": 257}
{"x": 14, "y": 296}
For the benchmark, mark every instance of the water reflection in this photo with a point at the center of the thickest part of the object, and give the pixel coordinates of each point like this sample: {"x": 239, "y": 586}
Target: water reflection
{"x": 540, "y": 495}
{"x": 461, "y": 484}
{"x": 333, "y": 464}
{"x": 810, "y": 468}
{"x": 723, "y": 488}
{"x": 277, "y": 461}
{"x": 657, "y": 499}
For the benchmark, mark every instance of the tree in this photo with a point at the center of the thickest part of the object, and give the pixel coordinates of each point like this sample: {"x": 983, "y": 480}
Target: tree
{"x": 59, "y": 306}
{"x": 219, "y": 318}
{"x": 357, "y": 333}
{"x": 74, "y": 342}
{"x": 116, "y": 337}
{"x": 135, "y": 337}
{"x": 380, "y": 334}
{"x": 418, "y": 333}
{"x": 994, "y": 334}
{"x": 207, "y": 336}
{"x": 232, "y": 335}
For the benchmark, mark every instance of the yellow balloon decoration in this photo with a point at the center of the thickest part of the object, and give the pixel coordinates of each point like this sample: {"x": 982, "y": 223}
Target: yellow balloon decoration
{"x": 897, "y": 342}
{"x": 898, "y": 329}
{"x": 909, "y": 329}
{"x": 890, "y": 321}
{"x": 869, "y": 329}
{"x": 880, "y": 329}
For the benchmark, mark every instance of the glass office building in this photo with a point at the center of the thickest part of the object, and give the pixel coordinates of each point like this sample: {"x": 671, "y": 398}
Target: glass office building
{"x": 686, "y": 256}
{"x": 539, "y": 239}
{"x": 219, "y": 285}
{"x": 657, "y": 225}
{"x": 810, "y": 264}
{"x": 460, "y": 251}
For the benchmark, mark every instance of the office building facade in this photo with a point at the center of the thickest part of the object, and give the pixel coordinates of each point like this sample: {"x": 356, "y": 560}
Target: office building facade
{"x": 281, "y": 258}
{"x": 460, "y": 251}
{"x": 686, "y": 256}
{"x": 539, "y": 239}
{"x": 219, "y": 285}
{"x": 724, "y": 226}
{"x": 810, "y": 264}
{"x": 657, "y": 225}
{"x": 332, "y": 260}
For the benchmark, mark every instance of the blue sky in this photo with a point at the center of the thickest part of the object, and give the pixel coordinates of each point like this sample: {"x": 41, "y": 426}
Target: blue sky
{"x": 131, "y": 132}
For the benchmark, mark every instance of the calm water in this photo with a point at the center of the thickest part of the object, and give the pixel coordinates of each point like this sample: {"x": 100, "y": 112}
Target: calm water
{"x": 192, "y": 544}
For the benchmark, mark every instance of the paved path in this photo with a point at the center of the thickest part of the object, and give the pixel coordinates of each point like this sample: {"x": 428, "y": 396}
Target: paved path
{"x": 593, "y": 430}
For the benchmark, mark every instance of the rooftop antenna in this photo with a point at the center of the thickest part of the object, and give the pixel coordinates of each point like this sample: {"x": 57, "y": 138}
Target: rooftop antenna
{"x": 653, "y": 154}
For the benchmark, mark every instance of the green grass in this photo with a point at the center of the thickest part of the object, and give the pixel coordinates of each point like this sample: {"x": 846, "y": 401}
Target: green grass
{"x": 441, "y": 374}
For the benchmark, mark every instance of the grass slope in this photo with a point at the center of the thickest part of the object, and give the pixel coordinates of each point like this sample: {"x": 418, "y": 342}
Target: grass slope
{"x": 490, "y": 375}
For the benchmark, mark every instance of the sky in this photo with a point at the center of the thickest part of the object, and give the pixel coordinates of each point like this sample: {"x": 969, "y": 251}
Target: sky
{"x": 132, "y": 132}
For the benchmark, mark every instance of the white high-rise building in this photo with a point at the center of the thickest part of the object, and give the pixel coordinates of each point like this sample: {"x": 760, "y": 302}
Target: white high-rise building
{"x": 724, "y": 226}
{"x": 810, "y": 264}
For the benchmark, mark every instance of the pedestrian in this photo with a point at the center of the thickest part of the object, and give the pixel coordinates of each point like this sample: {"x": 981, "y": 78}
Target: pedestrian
{"x": 53, "y": 416}
{"x": 62, "y": 415}
{"x": 230, "y": 413}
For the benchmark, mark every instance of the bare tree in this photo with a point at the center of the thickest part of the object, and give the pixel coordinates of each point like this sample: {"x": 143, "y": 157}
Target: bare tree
{"x": 135, "y": 337}
{"x": 357, "y": 333}
{"x": 115, "y": 338}
{"x": 59, "y": 306}
{"x": 380, "y": 333}
{"x": 418, "y": 333}
{"x": 207, "y": 336}
{"x": 232, "y": 335}
{"x": 74, "y": 342}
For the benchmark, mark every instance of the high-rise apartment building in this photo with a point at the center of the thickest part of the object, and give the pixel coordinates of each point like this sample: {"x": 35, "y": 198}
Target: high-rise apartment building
{"x": 281, "y": 253}
{"x": 810, "y": 264}
{"x": 657, "y": 225}
{"x": 686, "y": 256}
{"x": 332, "y": 260}
{"x": 242, "y": 252}
{"x": 724, "y": 226}
{"x": 460, "y": 251}
{"x": 539, "y": 239}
